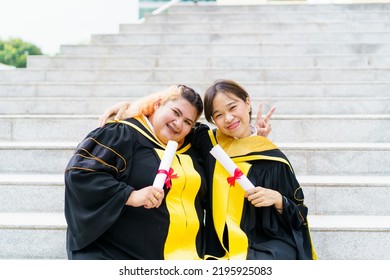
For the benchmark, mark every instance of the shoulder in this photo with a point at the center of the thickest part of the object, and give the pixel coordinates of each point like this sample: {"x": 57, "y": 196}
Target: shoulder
{"x": 111, "y": 135}
{"x": 201, "y": 135}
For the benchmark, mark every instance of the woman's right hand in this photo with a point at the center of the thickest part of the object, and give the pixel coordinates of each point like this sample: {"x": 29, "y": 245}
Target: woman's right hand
{"x": 118, "y": 111}
{"x": 149, "y": 197}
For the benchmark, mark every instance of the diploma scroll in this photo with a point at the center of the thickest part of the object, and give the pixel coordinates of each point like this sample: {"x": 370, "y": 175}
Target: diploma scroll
{"x": 231, "y": 167}
{"x": 165, "y": 164}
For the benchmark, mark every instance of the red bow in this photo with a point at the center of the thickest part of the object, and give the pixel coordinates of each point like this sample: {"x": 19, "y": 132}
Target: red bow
{"x": 170, "y": 176}
{"x": 237, "y": 175}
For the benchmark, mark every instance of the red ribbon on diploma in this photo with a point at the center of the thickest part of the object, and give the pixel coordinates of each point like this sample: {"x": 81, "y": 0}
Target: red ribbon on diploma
{"x": 170, "y": 176}
{"x": 237, "y": 175}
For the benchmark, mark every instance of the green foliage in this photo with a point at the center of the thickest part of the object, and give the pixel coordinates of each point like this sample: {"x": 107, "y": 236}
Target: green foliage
{"x": 15, "y": 51}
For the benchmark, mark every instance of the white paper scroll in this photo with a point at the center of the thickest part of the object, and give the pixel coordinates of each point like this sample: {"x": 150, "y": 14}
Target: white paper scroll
{"x": 230, "y": 166}
{"x": 165, "y": 164}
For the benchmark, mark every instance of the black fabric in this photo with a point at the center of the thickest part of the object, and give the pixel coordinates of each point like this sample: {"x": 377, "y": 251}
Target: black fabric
{"x": 107, "y": 166}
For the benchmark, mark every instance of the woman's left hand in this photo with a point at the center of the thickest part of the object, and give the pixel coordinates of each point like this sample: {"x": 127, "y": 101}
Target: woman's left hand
{"x": 262, "y": 124}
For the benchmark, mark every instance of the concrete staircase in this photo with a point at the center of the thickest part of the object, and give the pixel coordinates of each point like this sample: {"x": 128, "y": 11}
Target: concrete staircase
{"x": 325, "y": 68}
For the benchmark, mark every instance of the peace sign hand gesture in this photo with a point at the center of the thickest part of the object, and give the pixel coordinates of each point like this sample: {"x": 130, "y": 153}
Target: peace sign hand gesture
{"x": 262, "y": 124}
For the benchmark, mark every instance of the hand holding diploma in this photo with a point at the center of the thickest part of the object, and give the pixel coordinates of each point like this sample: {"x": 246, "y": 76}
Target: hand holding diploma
{"x": 235, "y": 173}
{"x": 165, "y": 172}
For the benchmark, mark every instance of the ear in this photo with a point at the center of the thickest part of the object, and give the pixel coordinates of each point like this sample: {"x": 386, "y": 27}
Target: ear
{"x": 157, "y": 104}
{"x": 248, "y": 104}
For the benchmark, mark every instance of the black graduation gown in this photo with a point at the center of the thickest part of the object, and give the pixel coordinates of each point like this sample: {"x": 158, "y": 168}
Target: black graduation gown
{"x": 235, "y": 229}
{"x": 107, "y": 166}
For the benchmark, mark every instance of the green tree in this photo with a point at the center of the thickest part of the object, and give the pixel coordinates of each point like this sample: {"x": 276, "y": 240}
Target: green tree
{"x": 15, "y": 51}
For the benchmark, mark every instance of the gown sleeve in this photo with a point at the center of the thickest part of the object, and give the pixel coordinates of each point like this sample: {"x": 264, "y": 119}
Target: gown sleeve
{"x": 94, "y": 193}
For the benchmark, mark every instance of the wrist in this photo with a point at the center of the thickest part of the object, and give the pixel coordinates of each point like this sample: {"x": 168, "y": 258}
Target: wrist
{"x": 279, "y": 203}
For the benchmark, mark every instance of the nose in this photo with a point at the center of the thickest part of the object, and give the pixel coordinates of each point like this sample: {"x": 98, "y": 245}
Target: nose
{"x": 229, "y": 117}
{"x": 178, "y": 122}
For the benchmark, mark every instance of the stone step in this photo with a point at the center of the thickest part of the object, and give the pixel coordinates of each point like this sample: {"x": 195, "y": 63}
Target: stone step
{"x": 286, "y": 128}
{"x": 260, "y": 89}
{"x": 284, "y": 105}
{"x": 31, "y": 193}
{"x": 32, "y": 236}
{"x": 280, "y": 16}
{"x": 243, "y": 37}
{"x": 253, "y": 26}
{"x": 42, "y": 236}
{"x": 205, "y": 61}
{"x": 196, "y": 74}
{"x": 290, "y": 7}
{"x": 346, "y": 195}
{"x": 306, "y": 158}
{"x": 227, "y": 49}
{"x": 324, "y": 195}
{"x": 351, "y": 237}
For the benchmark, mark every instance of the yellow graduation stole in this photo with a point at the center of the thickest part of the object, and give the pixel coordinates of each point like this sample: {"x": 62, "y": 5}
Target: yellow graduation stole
{"x": 228, "y": 202}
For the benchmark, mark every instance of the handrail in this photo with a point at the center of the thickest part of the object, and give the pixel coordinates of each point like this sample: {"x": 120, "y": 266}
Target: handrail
{"x": 164, "y": 7}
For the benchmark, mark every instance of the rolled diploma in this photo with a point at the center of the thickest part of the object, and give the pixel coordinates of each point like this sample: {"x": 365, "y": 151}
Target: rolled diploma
{"x": 230, "y": 166}
{"x": 165, "y": 164}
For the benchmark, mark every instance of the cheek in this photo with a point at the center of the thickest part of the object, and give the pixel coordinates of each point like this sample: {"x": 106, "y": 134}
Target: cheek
{"x": 218, "y": 123}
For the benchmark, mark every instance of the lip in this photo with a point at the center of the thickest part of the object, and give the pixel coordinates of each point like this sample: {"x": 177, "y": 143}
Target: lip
{"x": 233, "y": 125}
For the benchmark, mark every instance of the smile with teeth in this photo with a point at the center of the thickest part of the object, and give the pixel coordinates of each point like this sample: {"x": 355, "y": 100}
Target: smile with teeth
{"x": 172, "y": 129}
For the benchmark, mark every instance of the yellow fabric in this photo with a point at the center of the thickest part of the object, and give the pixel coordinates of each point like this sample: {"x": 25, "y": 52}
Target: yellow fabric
{"x": 180, "y": 201}
{"x": 237, "y": 147}
{"x": 228, "y": 205}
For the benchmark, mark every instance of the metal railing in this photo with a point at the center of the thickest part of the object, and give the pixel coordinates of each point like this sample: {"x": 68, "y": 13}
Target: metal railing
{"x": 165, "y": 6}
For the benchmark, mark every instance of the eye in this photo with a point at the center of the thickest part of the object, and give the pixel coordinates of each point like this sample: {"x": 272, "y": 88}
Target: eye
{"x": 217, "y": 116}
{"x": 233, "y": 107}
{"x": 188, "y": 122}
{"x": 176, "y": 113}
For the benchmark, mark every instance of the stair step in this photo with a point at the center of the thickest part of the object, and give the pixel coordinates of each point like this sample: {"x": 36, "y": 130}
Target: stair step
{"x": 33, "y": 193}
{"x": 261, "y": 89}
{"x": 243, "y": 37}
{"x": 351, "y": 237}
{"x": 306, "y": 158}
{"x": 345, "y": 195}
{"x": 227, "y": 49}
{"x": 32, "y": 236}
{"x": 284, "y": 105}
{"x": 286, "y": 128}
{"x": 281, "y": 16}
{"x": 125, "y": 62}
{"x": 197, "y": 74}
{"x": 253, "y": 26}
{"x": 324, "y": 195}
{"x": 42, "y": 235}
{"x": 294, "y": 7}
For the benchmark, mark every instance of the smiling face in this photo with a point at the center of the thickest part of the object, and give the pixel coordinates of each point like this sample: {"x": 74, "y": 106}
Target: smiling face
{"x": 173, "y": 120}
{"x": 231, "y": 115}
